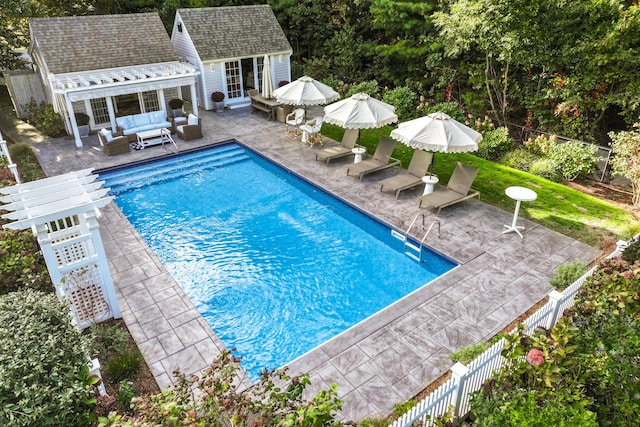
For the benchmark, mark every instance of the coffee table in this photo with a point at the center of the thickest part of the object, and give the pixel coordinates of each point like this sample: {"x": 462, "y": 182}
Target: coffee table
{"x": 151, "y": 137}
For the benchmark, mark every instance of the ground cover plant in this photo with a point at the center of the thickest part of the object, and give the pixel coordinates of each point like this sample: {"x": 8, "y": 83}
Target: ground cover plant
{"x": 44, "y": 377}
{"x": 558, "y": 207}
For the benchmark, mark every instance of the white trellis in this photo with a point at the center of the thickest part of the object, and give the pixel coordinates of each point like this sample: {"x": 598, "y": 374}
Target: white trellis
{"x": 4, "y": 152}
{"x": 63, "y": 211}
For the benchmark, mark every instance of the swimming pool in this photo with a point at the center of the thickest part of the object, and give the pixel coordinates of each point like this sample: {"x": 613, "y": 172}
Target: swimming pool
{"x": 275, "y": 265}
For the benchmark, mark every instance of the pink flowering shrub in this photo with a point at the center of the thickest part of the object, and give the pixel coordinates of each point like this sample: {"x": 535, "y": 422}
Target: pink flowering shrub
{"x": 535, "y": 357}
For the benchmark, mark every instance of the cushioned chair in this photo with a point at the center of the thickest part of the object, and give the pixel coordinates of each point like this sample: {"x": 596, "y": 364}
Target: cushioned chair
{"x": 420, "y": 161}
{"x": 381, "y": 160}
{"x": 312, "y": 128}
{"x": 344, "y": 149}
{"x": 191, "y": 130}
{"x": 112, "y": 145}
{"x": 458, "y": 189}
{"x": 294, "y": 119}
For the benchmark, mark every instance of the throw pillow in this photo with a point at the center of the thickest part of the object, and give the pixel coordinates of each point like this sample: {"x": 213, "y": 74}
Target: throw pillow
{"x": 107, "y": 134}
{"x": 192, "y": 120}
{"x": 157, "y": 116}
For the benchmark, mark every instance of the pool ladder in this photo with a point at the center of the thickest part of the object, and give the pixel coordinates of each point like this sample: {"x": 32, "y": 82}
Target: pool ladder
{"x": 411, "y": 249}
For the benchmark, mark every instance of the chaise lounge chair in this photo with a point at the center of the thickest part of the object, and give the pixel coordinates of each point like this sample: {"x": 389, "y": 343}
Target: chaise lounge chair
{"x": 348, "y": 143}
{"x": 458, "y": 189}
{"x": 381, "y": 160}
{"x": 418, "y": 166}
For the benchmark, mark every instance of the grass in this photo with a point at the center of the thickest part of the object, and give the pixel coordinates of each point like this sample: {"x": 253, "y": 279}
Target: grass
{"x": 558, "y": 207}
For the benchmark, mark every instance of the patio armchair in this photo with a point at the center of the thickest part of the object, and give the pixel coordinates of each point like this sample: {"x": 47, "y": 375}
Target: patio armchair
{"x": 111, "y": 144}
{"x": 457, "y": 190}
{"x": 312, "y": 128}
{"x": 294, "y": 119}
{"x": 190, "y": 130}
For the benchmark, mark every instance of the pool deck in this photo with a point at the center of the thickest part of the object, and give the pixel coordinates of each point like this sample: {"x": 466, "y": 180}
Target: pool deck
{"x": 391, "y": 356}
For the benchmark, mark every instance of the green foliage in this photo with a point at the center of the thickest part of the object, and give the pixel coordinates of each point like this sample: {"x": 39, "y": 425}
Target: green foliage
{"x": 45, "y": 119}
{"x": 541, "y": 144}
{"x": 371, "y": 88}
{"x": 495, "y": 144}
{"x": 112, "y": 337}
{"x": 21, "y": 264}
{"x": 626, "y": 158}
{"x": 399, "y": 409}
{"x": 520, "y": 159}
{"x": 124, "y": 365}
{"x": 632, "y": 252}
{"x": 546, "y": 168}
{"x": 222, "y": 400}
{"x": 574, "y": 160}
{"x": 176, "y": 103}
{"x": 467, "y": 353}
{"x": 44, "y": 378}
{"x": 82, "y": 119}
{"x": 522, "y": 407}
{"x": 126, "y": 392}
{"x": 27, "y": 163}
{"x": 404, "y": 99}
{"x": 481, "y": 124}
{"x": 451, "y": 109}
{"x": 374, "y": 422}
{"x": 566, "y": 274}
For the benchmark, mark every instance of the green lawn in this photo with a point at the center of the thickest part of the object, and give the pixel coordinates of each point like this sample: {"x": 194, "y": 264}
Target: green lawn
{"x": 557, "y": 207}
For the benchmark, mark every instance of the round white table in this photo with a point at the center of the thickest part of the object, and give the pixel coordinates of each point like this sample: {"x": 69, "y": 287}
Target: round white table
{"x": 358, "y": 151}
{"x": 429, "y": 182}
{"x": 519, "y": 194}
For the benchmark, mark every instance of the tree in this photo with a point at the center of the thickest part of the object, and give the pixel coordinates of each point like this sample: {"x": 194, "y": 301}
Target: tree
{"x": 626, "y": 158}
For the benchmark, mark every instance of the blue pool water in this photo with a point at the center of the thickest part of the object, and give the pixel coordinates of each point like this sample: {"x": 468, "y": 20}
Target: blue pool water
{"x": 275, "y": 265}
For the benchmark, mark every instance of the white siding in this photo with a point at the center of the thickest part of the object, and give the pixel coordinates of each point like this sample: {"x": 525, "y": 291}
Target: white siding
{"x": 281, "y": 69}
{"x": 187, "y": 52}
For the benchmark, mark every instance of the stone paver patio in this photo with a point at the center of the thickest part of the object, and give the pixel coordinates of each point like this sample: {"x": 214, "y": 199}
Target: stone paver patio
{"x": 385, "y": 359}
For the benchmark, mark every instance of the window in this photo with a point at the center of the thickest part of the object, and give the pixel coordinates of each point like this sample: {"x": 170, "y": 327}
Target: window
{"x": 234, "y": 83}
{"x": 150, "y": 101}
{"x": 100, "y": 111}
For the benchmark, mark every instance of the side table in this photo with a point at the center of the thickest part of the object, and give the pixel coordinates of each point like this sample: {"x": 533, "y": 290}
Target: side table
{"x": 358, "y": 151}
{"x": 429, "y": 182}
{"x": 519, "y": 194}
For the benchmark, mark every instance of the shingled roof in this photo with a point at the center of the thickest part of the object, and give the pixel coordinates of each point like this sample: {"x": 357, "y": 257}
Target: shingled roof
{"x": 86, "y": 43}
{"x": 234, "y": 31}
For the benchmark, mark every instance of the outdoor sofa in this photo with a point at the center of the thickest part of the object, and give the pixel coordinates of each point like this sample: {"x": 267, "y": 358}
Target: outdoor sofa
{"x": 130, "y": 125}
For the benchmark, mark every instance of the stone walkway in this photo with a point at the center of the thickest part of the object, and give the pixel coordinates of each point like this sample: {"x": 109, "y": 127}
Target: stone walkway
{"x": 386, "y": 359}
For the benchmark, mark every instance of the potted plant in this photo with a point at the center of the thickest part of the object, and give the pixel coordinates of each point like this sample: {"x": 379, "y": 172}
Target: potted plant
{"x": 176, "y": 107}
{"x": 218, "y": 98}
{"x": 82, "y": 120}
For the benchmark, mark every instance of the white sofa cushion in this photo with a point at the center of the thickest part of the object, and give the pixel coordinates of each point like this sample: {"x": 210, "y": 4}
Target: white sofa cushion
{"x": 108, "y": 136}
{"x": 192, "y": 120}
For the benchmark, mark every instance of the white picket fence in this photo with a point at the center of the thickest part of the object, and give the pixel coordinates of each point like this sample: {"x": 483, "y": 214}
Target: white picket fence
{"x": 453, "y": 396}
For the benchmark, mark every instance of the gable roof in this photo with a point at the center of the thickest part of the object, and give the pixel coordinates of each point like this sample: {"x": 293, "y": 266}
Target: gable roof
{"x": 84, "y": 43}
{"x": 234, "y": 31}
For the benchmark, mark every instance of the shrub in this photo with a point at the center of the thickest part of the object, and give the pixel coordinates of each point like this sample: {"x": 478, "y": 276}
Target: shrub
{"x": 275, "y": 399}
{"x": 541, "y": 145}
{"x": 495, "y": 144}
{"x": 467, "y": 353}
{"x": 403, "y": 99}
{"x": 28, "y": 166}
{"x": 399, "y": 409}
{"x": 44, "y": 118}
{"x": 574, "y": 160}
{"x": 545, "y": 168}
{"x": 482, "y": 125}
{"x": 21, "y": 264}
{"x": 44, "y": 378}
{"x": 124, "y": 365}
{"x": 370, "y": 88}
{"x": 632, "y": 252}
{"x": 567, "y": 274}
{"x": 519, "y": 158}
{"x": 451, "y": 109}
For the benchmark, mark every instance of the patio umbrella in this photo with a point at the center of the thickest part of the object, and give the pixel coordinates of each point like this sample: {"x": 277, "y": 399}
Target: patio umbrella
{"x": 360, "y": 111}
{"x": 267, "y": 80}
{"x": 437, "y": 132}
{"x": 305, "y": 91}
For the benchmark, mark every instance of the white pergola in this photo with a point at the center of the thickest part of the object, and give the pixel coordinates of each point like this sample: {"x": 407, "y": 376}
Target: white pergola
{"x": 82, "y": 86}
{"x": 63, "y": 211}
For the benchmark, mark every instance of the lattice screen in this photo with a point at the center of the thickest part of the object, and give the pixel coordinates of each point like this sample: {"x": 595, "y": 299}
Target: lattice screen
{"x": 83, "y": 286}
